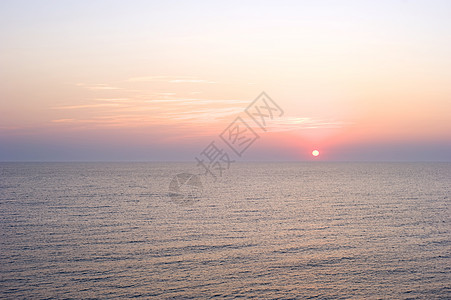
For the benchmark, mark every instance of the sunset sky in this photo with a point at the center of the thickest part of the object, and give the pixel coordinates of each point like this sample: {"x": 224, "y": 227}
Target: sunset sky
{"x": 158, "y": 81}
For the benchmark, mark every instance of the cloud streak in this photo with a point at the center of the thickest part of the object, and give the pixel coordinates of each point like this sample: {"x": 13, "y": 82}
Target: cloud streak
{"x": 82, "y": 106}
{"x": 169, "y": 79}
{"x": 299, "y": 123}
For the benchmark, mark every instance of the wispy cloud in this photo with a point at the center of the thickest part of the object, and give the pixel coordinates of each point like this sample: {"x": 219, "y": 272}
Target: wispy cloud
{"x": 87, "y": 106}
{"x": 171, "y": 108}
{"x": 112, "y": 99}
{"x": 170, "y": 79}
{"x": 139, "y": 110}
{"x": 166, "y": 94}
{"x": 147, "y": 78}
{"x": 197, "y": 101}
{"x": 299, "y": 123}
{"x": 202, "y": 115}
{"x": 98, "y": 86}
{"x": 191, "y": 81}
{"x": 63, "y": 121}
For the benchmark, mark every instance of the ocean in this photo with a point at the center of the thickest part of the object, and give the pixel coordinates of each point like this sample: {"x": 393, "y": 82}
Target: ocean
{"x": 311, "y": 230}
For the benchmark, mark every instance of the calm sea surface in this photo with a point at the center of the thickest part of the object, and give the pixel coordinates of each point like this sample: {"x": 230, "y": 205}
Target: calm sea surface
{"x": 274, "y": 230}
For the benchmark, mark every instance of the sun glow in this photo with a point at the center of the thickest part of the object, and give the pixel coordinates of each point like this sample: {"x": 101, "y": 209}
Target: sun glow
{"x": 315, "y": 153}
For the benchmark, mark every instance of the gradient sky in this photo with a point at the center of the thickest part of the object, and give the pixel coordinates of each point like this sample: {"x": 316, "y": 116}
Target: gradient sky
{"x": 143, "y": 80}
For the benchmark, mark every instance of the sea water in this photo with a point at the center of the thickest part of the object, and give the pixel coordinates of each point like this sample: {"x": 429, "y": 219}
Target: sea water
{"x": 262, "y": 230}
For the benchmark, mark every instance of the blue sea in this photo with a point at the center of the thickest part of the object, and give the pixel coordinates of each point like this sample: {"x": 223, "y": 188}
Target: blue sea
{"x": 262, "y": 231}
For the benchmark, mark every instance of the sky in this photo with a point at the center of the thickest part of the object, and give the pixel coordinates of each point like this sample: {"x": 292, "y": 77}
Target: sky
{"x": 161, "y": 80}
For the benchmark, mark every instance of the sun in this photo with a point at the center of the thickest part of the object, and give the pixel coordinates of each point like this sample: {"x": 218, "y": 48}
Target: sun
{"x": 315, "y": 153}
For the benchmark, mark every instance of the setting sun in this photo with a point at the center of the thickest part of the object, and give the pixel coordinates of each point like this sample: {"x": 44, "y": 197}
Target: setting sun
{"x": 315, "y": 153}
